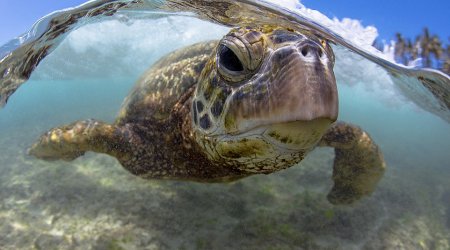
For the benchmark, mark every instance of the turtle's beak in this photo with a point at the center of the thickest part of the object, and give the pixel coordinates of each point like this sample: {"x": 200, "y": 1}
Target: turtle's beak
{"x": 296, "y": 83}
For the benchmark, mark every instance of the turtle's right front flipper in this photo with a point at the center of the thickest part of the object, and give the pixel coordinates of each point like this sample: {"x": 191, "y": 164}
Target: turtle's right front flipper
{"x": 71, "y": 141}
{"x": 358, "y": 164}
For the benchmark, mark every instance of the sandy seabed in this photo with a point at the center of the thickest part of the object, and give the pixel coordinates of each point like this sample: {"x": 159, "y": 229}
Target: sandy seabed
{"x": 92, "y": 203}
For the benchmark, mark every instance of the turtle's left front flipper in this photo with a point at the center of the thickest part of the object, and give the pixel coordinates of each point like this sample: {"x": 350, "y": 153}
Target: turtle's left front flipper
{"x": 71, "y": 141}
{"x": 358, "y": 164}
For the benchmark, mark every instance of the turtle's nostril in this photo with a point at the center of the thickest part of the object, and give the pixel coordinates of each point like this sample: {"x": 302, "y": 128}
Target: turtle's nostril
{"x": 310, "y": 50}
{"x": 305, "y": 51}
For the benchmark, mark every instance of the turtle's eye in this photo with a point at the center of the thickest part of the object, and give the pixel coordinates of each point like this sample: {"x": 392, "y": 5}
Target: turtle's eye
{"x": 229, "y": 60}
{"x": 239, "y": 55}
{"x": 232, "y": 61}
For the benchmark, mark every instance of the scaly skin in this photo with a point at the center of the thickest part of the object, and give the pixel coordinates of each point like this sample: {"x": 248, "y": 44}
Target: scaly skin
{"x": 255, "y": 102}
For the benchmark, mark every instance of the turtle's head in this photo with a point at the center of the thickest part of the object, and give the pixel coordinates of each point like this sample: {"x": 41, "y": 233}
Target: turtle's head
{"x": 265, "y": 98}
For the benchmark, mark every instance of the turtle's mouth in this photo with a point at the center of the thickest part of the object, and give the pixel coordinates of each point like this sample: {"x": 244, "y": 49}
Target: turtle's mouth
{"x": 291, "y": 135}
{"x": 296, "y": 135}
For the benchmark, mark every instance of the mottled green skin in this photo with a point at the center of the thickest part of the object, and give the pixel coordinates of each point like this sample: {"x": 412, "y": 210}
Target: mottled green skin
{"x": 165, "y": 83}
{"x": 184, "y": 120}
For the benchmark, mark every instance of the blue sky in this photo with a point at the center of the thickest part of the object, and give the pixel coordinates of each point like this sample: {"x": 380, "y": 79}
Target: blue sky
{"x": 389, "y": 16}
{"x": 409, "y": 17}
{"x": 17, "y": 16}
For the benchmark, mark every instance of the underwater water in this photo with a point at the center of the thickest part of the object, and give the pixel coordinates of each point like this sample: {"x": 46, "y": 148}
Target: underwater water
{"x": 93, "y": 203}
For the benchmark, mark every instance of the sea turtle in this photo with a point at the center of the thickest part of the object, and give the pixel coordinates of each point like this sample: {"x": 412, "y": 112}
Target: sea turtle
{"x": 255, "y": 102}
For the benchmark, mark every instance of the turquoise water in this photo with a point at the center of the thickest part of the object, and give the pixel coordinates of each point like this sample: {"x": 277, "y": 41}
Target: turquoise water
{"x": 93, "y": 203}
{"x": 409, "y": 136}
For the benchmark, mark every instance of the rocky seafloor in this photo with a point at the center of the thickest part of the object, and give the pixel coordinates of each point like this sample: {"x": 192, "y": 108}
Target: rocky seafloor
{"x": 92, "y": 203}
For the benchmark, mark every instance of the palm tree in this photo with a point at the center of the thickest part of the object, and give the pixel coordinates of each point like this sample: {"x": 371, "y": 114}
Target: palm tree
{"x": 446, "y": 65}
{"x": 424, "y": 41}
{"x": 428, "y": 47}
{"x": 401, "y": 49}
{"x": 437, "y": 50}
